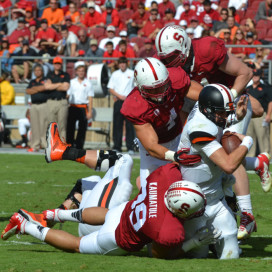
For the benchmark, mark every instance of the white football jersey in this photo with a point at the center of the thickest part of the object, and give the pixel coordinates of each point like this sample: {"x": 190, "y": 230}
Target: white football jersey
{"x": 202, "y": 137}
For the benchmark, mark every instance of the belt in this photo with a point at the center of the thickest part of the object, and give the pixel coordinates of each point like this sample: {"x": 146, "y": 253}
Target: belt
{"x": 81, "y": 106}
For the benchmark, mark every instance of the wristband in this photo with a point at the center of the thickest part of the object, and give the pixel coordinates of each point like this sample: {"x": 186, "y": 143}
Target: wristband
{"x": 247, "y": 142}
{"x": 169, "y": 155}
{"x": 189, "y": 245}
{"x": 234, "y": 92}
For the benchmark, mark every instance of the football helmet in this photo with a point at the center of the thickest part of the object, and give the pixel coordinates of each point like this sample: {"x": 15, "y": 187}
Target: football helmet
{"x": 173, "y": 45}
{"x": 152, "y": 79}
{"x": 215, "y": 99}
{"x": 185, "y": 199}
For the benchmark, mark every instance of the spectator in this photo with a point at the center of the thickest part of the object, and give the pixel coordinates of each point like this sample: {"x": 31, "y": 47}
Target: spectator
{"x": 188, "y": 13}
{"x": 190, "y": 32}
{"x": 44, "y": 62}
{"x": 68, "y": 43}
{"x": 152, "y": 26}
{"x": 151, "y": 4}
{"x": 70, "y": 26}
{"x": 124, "y": 51}
{"x": 137, "y": 20}
{"x": 110, "y": 16}
{"x": 45, "y": 48}
{"x": 6, "y": 61}
{"x": 108, "y": 54}
{"x": 227, "y": 38}
{"x": 231, "y": 26}
{"x": 53, "y": 14}
{"x": 120, "y": 85}
{"x": 209, "y": 15}
{"x": 20, "y": 31}
{"x": 180, "y": 9}
{"x": 22, "y": 67}
{"x": 45, "y": 33}
{"x": 249, "y": 26}
{"x": 222, "y": 22}
{"x": 24, "y": 130}
{"x": 165, "y": 5}
{"x": 251, "y": 40}
{"x": 83, "y": 10}
{"x": 58, "y": 83}
{"x": 32, "y": 26}
{"x": 148, "y": 49}
{"x": 12, "y": 23}
{"x": 92, "y": 17}
{"x": 238, "y": 4}
{"x": 239, "y": 38}
{"x": 94, "y": 52}
{"x": 258, "y": 128}
{"x": 80, "y": 95}
{"x": 183, "y": 24}
{"x": 260, "y": 56}
{"x": 28, "y": 15}
{"x": 169, "y": 18}
{"x": 84, "y": 40}
{"x": 198, "y": 29}
{"x": 73, "y": 13}
{"x": 110, "y": 31}
{"x": 264, "y": 11}
{"x": 4, "y": 6}
{"x": 123, "y": 4}
{"x": 123, "y": 35}
{"x": 38, "y": 110}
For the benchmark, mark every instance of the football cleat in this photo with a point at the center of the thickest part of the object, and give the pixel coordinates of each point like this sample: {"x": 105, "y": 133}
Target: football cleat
{"x": 52, "y": 215}
{"x": 263, "y": 171}
{"x": 33, "y": 217}
{"x": 247, "y": 226}
{"x": 55, "y": 147}
{"x": 16, "y": 225}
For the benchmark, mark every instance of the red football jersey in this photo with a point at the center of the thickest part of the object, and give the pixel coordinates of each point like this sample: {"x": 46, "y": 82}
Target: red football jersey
{"x": 210, "y": 53}
{"x": 146, "y": 218}
{"x": 164, "y": 118}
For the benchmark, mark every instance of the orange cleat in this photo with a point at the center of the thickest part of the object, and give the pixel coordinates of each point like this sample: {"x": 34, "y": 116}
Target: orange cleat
{"x": 33, "y": 217}
{"x": 16, "y": 225}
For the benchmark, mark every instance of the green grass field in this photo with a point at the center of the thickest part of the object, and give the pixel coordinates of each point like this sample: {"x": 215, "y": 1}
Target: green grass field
{"x": 27, "y": 181}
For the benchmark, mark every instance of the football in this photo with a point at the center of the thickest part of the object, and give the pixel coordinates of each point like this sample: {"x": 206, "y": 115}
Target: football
{"x": 230, "y": 142}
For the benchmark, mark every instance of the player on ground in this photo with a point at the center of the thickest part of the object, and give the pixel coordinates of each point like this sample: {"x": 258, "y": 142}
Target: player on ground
{"x": 207, "y": 59}
{"x": 156, "y": 215}
{"x": 202, "y": 134}
{"x": 154, "y": 108}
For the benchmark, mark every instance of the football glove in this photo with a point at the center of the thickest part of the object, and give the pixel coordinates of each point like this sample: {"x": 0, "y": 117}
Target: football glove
{"x": 183, "y": 158}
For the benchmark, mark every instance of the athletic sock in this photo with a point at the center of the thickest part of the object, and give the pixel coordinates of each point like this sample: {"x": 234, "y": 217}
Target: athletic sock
{"x": 244, "y": 203}
{"x": 36, "y": 231}
{"x": 59, "y": 215}
{"x": 251, "y": 163}
{"x": 74, "y": 154}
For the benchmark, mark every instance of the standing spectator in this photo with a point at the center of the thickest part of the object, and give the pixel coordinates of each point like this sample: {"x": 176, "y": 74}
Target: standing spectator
{"x": 108, "y": 54}
{"x": 110, "y": 16}
{"x": 264, "y": 11}
{"x": 209, "y": 15}
{"x": 239, "y": 52}
{"x": 169, "y": 18}
{"x": 84, "y": 40}
{"x": 120, "y": 85}
{"x": 152, "y": 26}
{"x": 68, "y": 43}
{"x": 258, "y": 128}
{"x": 58, "y": 83}
{"x": 137, "y": 20}
{"x": 45, "y": 33}
{"x": 20, "y": 31}
{"x": 123, "y": 4}
{"x": 75, "y": 16}
{"x": 22, "y": 67}
{"x": 111, "y": 37}
{"x": 38, "y": 109}
{"x": 80, "y": 95}
{"x": 92, "y": 17}
{"x": 94, "y": 52}
{"x": 188, "y": 13}
{"x": 148, "y": 49}
{"x": 53, "y": 14}
{"x": 238, "y": 4}
{"x": 166, "y": 4}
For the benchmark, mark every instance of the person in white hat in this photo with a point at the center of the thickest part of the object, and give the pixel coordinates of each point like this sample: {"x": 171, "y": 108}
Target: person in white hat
{"x": 110, "y": 32}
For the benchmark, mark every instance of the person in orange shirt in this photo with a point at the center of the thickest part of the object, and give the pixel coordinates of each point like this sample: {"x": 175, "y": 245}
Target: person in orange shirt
{"x": 75, "y": 16}
{"x": 53, "y": 14}
{"x": 231, "y": 26}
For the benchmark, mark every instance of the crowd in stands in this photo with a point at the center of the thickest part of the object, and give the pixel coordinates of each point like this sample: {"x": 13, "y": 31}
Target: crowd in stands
{"x": 122, "y": 28}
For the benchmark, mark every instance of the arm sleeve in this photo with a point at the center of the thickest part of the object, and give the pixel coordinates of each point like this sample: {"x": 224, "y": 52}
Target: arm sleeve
{"x": 208, "y": 149}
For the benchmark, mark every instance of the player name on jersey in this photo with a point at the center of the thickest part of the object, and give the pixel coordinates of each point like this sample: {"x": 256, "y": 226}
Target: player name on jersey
{"x": 153, "y": 196}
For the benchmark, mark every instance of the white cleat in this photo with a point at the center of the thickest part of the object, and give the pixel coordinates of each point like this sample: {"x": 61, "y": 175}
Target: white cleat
{"x": 247, "y": 226}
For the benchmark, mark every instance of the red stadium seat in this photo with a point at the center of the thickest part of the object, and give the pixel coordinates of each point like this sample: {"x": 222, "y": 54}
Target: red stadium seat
{"x": 125, "y": 15}
{"x": 241, "y": 14}
{"x": 263, "y": 24}
{"x": 138, "y": 40}
{"x": 97, "y": 32}
{"x": 261, "y": 33}
{"x": 134, "y": 4}
{"x": 268, "y": 36}
{"x": 224, "y": 3}
{"x": 250, "y": 13}
{"x": 255, "y": 4}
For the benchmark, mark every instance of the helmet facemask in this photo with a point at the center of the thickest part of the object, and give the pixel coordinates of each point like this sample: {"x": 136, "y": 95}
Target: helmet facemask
{"x": 173, "y": 59}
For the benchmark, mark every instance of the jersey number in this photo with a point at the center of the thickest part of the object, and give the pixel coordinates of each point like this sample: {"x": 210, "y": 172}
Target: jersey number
{"x": 173, "y": 115}
{"x": 139, "y": 210}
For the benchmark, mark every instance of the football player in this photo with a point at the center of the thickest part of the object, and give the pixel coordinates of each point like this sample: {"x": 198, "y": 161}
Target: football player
{"x": 154, "y": 108}
{"x": 206, "y": 59}
{"x": 202, "y": 134}
{"x": 156, "y": 215}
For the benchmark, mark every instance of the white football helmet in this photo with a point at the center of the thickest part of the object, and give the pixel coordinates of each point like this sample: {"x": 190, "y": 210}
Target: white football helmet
{"x": 152, "y": 79}
{"x": 173, "y": 45}
{"x": 185, "y": 199}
